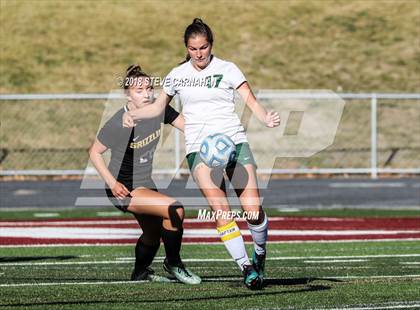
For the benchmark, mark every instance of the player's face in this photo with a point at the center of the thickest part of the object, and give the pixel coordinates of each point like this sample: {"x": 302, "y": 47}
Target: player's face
{"x": 199, "y": 50}
{"x": 140, "y": 92}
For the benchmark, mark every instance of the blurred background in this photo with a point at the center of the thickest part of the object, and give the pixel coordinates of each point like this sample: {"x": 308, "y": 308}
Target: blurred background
{"x": 60, "y": 60}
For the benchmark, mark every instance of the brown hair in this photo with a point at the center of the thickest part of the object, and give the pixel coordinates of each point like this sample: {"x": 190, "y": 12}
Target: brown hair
{"x": 198, "y": 27}
{"x": 132, "y": 72}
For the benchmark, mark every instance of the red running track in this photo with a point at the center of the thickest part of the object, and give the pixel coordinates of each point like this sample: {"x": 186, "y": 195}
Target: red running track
{"x": 64, "y": 231}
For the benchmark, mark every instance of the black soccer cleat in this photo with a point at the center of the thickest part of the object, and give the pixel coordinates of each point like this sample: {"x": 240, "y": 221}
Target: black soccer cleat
{"x": 252, "y": 279}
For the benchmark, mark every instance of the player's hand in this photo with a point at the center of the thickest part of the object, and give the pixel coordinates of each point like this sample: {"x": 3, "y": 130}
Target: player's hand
{"x": 272, "y": 119}
{"x": 127, "y": 120}
{"x": 120, "y": 191}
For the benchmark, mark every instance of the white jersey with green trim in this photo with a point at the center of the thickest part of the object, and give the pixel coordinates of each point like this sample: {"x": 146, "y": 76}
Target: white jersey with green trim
{"x": 207, "y": 97}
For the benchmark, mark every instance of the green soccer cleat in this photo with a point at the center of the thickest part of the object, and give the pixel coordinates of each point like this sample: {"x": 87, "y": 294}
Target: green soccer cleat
{"x": 251, "y": 278}
{"x": 258, "y": 262}
{"x": 182, "y": 273}
{"x": 148, "y": 274}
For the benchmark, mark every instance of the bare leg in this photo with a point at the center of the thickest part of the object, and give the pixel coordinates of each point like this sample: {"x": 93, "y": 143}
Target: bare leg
{"x": 228, "y": 229}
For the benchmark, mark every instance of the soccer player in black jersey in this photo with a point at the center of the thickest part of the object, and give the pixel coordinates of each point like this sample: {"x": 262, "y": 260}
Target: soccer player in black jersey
{"x": 130, "y": 187}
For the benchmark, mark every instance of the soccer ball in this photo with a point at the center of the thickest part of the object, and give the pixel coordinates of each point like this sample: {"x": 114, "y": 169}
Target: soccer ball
{"x": 217, "y": 150}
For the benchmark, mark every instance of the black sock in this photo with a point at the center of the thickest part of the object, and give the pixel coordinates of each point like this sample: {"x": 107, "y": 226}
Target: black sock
{"x": 172, "y": 241}
{"x": 144, "y": 255}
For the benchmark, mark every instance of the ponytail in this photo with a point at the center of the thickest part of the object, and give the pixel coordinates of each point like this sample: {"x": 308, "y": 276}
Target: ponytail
{"x": 197, "y": 27}
{"x": 132, "y": 72}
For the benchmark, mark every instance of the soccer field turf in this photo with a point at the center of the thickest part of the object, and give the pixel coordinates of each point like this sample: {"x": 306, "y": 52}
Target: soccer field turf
{"x": 308, "y": 275}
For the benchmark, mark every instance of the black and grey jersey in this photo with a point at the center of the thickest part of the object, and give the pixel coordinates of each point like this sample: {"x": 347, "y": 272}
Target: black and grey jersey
{"x": 132, "y": 149}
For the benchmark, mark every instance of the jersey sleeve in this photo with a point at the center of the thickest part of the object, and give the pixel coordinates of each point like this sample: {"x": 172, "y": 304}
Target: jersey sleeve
{"x": 170, "y": 115}
{"x": 107, "y": 135}
{"x": 235, "y": 76}
{"x": 113, "y": 132}
{"x": 169, "y": 85}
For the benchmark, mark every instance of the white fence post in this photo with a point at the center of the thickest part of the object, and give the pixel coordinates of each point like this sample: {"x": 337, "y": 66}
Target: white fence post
{"x": 177, "y": 144}
{"x": 373, "y": 140}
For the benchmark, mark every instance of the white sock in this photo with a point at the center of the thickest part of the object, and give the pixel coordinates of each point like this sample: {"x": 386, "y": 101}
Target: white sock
{"x": 259, "y": 235}
{"x": 234, "y": 243}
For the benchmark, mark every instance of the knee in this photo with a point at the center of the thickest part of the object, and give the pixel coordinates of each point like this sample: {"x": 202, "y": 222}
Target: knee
{"x": 176, "y": 214}
{"x": 255, "y": 216}
{"x": 181, "y": 212}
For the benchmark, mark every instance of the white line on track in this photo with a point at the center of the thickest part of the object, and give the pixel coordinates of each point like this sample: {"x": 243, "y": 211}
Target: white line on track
{"x": 109, "y": 213}
{"x": 367, "y": 185}
{"x": 289, "y": 209}
{"x": 46, "y": 215}
{"x": 99, "y": 262}
{"x": 205, "y": 280}
{"x": 335, "y": 261}
{"x": 24, "y": 192}
{"x": 374, "y": 277}
{"x": 208, "y": 260}
{"x": 71, "y": 283}
{"x": 401, "y": 305}
{"x": 61, "y": 223}
{"x": 189, "y": 220}
{"x": 410, "y": 263}
{"x": 102, "y": 233}
{"x": 59, "y": 245}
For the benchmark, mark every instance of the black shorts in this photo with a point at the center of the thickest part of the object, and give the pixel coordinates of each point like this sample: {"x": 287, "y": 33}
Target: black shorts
{"x": 122, "y": 204}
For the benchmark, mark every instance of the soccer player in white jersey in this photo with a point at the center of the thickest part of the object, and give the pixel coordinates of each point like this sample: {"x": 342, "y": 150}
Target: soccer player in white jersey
{"x": 206, "y": 86}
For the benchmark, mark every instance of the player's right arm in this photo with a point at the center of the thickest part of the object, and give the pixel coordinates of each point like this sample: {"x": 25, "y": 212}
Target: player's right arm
{"x": 95, "y": 155}
{"x": 149, "y": 111}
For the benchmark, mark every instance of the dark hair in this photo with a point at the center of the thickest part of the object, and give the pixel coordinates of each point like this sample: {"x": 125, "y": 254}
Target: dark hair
{"x": 132, "y": 72}
{"x": 198, "y": 27}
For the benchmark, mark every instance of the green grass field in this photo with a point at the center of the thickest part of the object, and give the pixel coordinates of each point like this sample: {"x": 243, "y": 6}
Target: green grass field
{"x": 299, "y": 276}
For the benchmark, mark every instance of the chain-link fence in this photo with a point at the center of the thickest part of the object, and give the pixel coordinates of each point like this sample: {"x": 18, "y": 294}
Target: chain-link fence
{"x": 51, "y": 134}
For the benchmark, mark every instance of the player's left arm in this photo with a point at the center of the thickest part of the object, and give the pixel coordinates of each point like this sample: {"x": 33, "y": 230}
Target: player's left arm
{"x": 179, "y": 122}
{"x": 269, "y": 118}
